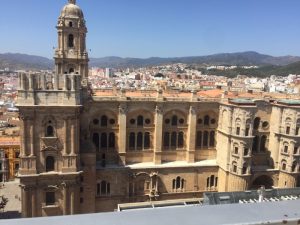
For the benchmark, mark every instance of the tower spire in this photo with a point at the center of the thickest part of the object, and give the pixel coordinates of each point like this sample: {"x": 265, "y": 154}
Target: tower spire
{"x": 72, "y": 2}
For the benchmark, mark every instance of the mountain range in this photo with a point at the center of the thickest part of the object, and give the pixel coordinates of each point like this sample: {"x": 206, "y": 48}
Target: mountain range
{"x": 30, "y": 62}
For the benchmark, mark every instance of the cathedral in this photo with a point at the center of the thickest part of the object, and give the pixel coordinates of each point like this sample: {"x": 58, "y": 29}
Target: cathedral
{"x": 86, "y": 151}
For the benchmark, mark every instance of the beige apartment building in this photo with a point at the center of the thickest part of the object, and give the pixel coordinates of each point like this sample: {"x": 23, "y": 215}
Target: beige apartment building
{"x": 85, "y": 151}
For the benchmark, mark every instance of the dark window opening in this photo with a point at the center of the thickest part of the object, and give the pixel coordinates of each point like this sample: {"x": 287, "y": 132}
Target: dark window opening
{"x": 147, "y": 140}
{"x": 247, "y": 131}
{"x": 173, "y": 139}
{"x": 50, "y": 131}
{"x": 206, "y": 120}
{"x": 166, "y": 139}
{"x": 255, "y": 144}
{"x": 238, "y": 129}
{"x": 199, "y": 139}
{"x": 96, "y": 140}
{"x": 111, "y": 140}
{"x": 256, "y": 123}
{"x": 50, "y": 198}
{"x": 140, "y": 121}
{"x": 212, "y": 139}
{"x": 71, "y": 41}
{"x": 205, "y": 139}
{"x": 50, "y": 164}
{"x": 174, "y": 120}
{"x": 104, "y": 121}
{"x": 180, "y": 140}
{"x": 70, "y": 24}
{"x": 139, "y": 140}
{"x": 103, "y": 141}
{"x": 287, "y": 131}
{"x": 132, "y": 140}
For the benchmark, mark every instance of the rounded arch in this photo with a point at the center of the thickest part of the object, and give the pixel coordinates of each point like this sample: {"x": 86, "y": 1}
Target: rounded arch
{"x": 141, "y": 117}
{"x": 263, "y": 180}
{"x": 175, "y": 112}
{"x": 98, "y": 114}
{"x": 50, "y": 163}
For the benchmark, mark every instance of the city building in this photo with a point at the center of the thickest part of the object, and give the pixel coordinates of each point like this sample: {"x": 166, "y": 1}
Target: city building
{"x": 86, "y": 151}
{"x": 10, "y": 151}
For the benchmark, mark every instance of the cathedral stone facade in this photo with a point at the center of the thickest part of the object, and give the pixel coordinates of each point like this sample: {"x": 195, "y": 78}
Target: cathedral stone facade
{"x": 84, "y": 151}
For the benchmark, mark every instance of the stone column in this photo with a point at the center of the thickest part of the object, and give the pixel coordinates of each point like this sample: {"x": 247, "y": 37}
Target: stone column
{"x": 65, "y": 82}
{"x": 24, "y": 201}
{"x": 122, "y": 132}
{"x": 33, "y": 202}
{"x": 158, "y": 135}
{"x": 65, "y": 152}
{"x": 32, "y": 138}
{"x": 73, "y": 136}
{"x": 24, "y": 137}
{"x": 72, "y": 200}
{"x": 65, "y": 201}
{"x": 30, "y": 82}
{"x": 191, "y": 135}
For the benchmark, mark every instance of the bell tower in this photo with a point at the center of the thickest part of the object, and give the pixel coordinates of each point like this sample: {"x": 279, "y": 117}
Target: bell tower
{"x": 71, "y": 56}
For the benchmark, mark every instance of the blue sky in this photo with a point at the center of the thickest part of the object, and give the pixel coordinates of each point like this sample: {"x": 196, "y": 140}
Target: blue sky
{"x": 164, "y": 28}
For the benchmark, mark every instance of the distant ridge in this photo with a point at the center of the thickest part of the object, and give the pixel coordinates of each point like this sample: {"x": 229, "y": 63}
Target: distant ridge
{"x": 16, "y": 61}
{"x": 30, "y": 62}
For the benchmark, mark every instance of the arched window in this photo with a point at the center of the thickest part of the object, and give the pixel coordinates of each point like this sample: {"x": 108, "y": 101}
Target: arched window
{"x": 71, "y": 70}
{"x": 132, "y": 140}
{"x": 174, "y": 120}
{"x": 96, "y": 140}
{"x": 166, "y": 139}
{"x": 139, "y": 144}
{"x": 206, "y": 120}
{"x": 212, "y": 180}
{"x": 180, "y": 140}
{"x": 199, "y": 139}
{"x": 173, "y": 139}
{"x": 104, "y": 121}
{"x": 255, "y": 144}
{"x": 140, "y": 121}
{"x": 285, "y": 147}
{"x": 256, "y": 123}
{"x": 205, "y": 139}
{"x": 245, "y": 169}
{"x": 234, "y": 167}
{"x": 111, "y": 140}
{"x": 50, "y": 131}
{"x": 263, "y": 141}
{"x": 103, "y": 140}
{"x": 288, "y": 125}
{"x": 147, "y": 140}
{"x": 71, "y": 41}
{"x": 212, "y": 139}
{"x": 70, "y": 24}
{"x": 178, "y": 182}
{"x": 50, "y": 164}
{"x": 246, "y": 151}
{"x": 283, "y": 165}
{"x": 294, "y": 167}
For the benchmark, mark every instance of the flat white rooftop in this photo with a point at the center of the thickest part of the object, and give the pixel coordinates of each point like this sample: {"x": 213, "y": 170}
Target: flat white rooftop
{"x": 284, "y": 212}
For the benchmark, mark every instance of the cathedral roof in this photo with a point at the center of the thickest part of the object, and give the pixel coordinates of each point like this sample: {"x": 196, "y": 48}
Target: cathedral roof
{"x": 71, "y": 10}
